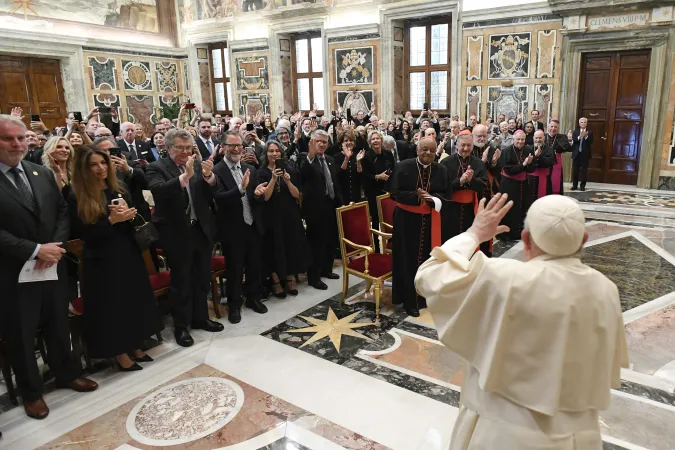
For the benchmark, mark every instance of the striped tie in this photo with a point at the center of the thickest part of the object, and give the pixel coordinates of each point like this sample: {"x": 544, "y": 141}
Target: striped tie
{"x": 248, "y": 217}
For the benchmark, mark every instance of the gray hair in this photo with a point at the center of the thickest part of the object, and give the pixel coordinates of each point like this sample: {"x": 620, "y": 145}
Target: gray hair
{"x": 503, "y": 124}
{"x": 388, "y": 142}
{"x": 6, "y": 119}
{"x": 176, "y": 133}
{"x": 318, "y": 132}
{"x": 101, "y": 139}
{"x": 126, "y": 125}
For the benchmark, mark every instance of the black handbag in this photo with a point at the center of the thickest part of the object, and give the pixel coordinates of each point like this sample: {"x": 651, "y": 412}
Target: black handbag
{"x": 146, "y": 235}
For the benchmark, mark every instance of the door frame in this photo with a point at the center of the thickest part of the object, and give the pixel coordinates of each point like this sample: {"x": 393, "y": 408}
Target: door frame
{"x": 575, "y": 44}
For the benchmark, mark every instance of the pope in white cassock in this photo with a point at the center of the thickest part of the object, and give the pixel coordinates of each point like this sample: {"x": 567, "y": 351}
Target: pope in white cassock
{"x": 543, "y": 340}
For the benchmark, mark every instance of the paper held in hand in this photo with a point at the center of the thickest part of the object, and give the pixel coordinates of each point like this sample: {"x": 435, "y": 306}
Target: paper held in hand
{"x": 30, "y": 275}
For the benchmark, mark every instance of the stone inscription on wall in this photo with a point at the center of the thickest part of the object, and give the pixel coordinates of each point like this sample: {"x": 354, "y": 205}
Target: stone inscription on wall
{"x": 623, "y": 21}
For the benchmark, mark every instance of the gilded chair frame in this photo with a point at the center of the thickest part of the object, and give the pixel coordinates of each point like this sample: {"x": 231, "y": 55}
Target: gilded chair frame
{"x": 360, "y": 250}
{"x": 383, "y": 224}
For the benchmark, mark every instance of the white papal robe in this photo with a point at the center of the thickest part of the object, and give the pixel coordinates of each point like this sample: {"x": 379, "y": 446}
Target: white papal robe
{"x": 543, "y": 341}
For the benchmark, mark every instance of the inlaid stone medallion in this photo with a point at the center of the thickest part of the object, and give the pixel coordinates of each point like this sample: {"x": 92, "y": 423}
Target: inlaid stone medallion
{"x": 185, "y": 411}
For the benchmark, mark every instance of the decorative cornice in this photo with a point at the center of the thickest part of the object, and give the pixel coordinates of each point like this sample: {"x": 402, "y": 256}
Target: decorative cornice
{"x": 512, "y": 21}
{"x": 510, "y": 12}
{"x": 362, "y": 37}
{"x": 251, "y": 49}
{"x": 588, "y": 7}
{"x": 137, "y": 53}
{"x": 245, "y": 45}
{"x": 352, "y": 31}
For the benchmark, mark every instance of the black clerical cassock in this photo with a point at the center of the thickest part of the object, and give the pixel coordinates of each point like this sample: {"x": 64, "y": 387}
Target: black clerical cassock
{"x": 457, "y": 214}
{"x": 412, "y": 235}
{"x": 493, "y": 168}
{"x": 514, "y": 183}
{"x": 540, "y": 178}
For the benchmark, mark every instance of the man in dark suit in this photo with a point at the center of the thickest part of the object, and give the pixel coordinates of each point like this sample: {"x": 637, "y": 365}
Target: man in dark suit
{"x": 582, "y": 141}
{"x": 205, "y": 142}
{"x": 535, "y": 120}
{"x": 182, "y": 189}
{"x": 320, "y": 197}
{"x": 240, "y": 226}
{"x": 33, "y": 226}
{"x": 131, "y": 148}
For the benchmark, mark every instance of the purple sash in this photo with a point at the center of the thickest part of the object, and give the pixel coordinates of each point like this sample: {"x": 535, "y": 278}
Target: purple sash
{"x": 556, "y": 174}
{"x": 522, "y": 176}
{"x": 541, "y": 185}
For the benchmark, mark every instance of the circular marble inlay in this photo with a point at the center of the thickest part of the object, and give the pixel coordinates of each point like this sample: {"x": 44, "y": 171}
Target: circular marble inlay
{"x": 185, "y": 411}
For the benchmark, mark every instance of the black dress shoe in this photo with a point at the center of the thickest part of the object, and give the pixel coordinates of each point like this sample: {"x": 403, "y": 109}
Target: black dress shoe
{"x": 132, "y": 368}
{"x": 332, "y": 276}
{"x": 319, "y": 285}
{"x": 257, "y": 306}
{"x": 234, "y": 316}
{"x": 574, "y": 188}
{"x": 183, "y": 337}
{"x": 144, "y": 358}
{"x": 583, "y": 189}
{"x": 208, "y": 325}
{"x": 414, "y": 312}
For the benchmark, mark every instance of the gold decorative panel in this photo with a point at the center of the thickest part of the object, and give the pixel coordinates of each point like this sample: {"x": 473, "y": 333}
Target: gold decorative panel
{"x": 474, "y": 57}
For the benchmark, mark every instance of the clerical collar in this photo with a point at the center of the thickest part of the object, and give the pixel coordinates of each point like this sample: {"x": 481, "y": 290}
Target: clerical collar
{"x": 423, "y": 165}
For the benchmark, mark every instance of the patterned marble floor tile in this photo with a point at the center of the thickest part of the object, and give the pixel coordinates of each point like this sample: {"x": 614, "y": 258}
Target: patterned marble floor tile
{"x": 420, "y": 330}
{"x": 635, "y": 199}
{"x": 640, "y": 274}
{"x": 647, "y": 392}
{"x": 178, "y": 416}
{"x": 651, "y": 340}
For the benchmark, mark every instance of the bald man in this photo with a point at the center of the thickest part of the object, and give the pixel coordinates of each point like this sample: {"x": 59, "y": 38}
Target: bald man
{"x": 539, "y": 360}
{"x": 419, "y": 186}
{"x": 468, "y": 181}
{"x": 540, "y": 179}
{"x": 518, "y": 161}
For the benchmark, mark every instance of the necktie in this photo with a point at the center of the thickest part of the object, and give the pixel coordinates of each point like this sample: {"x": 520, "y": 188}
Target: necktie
{"x": 209, "y": 146}
{"x": 248, "y": 217}
{"x": 189, "y": 211}
{"x": 24, "y": 190}
{"x": 329, "y": 181}
{"x": 581, "y": 139}
{"x": 132, "y": 152}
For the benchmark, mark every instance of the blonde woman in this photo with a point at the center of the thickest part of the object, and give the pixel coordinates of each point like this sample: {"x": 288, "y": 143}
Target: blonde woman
{"x": 139, "y": 131}
{"x": 58, "y": 157}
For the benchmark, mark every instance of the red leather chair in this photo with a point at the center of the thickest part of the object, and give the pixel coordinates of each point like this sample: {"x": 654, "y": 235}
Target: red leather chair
{"x": 385, "y": 210}
{"x": 358, "y": 253}
{"x": 160, "y": 281}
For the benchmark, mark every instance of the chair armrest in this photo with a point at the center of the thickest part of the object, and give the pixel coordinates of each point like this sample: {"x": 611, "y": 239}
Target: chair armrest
{"x": 387, "y": 225}
{"x": 365, "y": 248}
{"x": 380, "y": 233}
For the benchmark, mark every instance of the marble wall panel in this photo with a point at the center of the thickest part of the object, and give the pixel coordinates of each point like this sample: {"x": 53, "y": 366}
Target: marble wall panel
{"x": 250, "y": 104}
{"x": 186, "y": 80}
{"x": 473, "y": 101}
{"x": 137, "y": 75}
{"x": 509, "y": 101}
{"x": 205, "y": 86}
{"x": 102, "y": 73}
{"x": 546, "y": 47}
{"x": 252, "y": 72}
{"x": 141, "y": 109}
{"x": 399, "y": 84}
{"x": 543, "y": 101}
{"x": 355, "y": 100}
{"x": 354, "y": 65}
{"x": 364, "y": 78}
{"x": 167, "y": 76}
{"x": 509, "y": 56}
{"x": 286, "y": 80}
{"x": 474, "y": 57}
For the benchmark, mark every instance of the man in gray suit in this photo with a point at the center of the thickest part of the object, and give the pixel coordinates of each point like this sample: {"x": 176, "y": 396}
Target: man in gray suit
{"x": 33, "y": 227}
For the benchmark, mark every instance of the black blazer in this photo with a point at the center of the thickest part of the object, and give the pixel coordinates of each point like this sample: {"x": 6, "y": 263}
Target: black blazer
{"x": 230, "y": 216}
{"x": 142, "y": 148}
{"x": 21, "y": 229}
{"x": 136, "y": 182}
{"x": 314, "y": 188}
{"x": 202, "y": 147}
{"x": 540, "y": 126}
{"x": 171, "y": 202}
{"x": 405, "y": 150}
{"x": 582, "y": 148}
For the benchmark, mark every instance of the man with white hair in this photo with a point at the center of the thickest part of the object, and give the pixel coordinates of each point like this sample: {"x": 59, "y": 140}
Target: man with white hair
{"x": 132, "y": 148}
{"x": 518, "y": 161}
{"x": 491, "y": 157}
{"x": 543, "y": 340}
{"x": 540, "y": 178}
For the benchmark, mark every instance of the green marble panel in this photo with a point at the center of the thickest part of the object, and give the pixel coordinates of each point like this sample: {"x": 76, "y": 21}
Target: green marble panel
{"x": 640, "y": 273}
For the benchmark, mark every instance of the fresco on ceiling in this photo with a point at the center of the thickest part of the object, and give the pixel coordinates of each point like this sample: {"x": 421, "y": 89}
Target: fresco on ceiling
{"x": 194, "y": 10}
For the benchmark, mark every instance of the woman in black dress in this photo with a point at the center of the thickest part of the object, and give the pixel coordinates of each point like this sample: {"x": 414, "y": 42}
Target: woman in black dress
{"x": 119, "y": 306}
{"x": 284, "y": 239}
{"x": 349, "y": 179}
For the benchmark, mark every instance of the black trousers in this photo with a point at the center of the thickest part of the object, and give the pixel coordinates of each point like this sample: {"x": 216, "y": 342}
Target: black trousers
{"x": 322, "y": 236}
{"x": 579, "y": 171}
{"x": 190, "y": 279}
{"x": 243, "y": 257}
{"x": 39, "y": 304}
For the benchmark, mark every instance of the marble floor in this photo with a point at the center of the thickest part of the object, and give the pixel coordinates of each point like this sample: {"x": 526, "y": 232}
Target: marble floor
{"x": 315, "y": 373}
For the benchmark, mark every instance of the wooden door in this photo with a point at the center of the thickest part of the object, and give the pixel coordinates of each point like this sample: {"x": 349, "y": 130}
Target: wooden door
{"x": 34, "y": 84}
{"x": 612, "y": 96}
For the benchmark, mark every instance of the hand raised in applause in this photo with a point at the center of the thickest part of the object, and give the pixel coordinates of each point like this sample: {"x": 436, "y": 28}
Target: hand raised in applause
{"x": 528, "y": 160}
{"x": 360, "y": 155}
{"x": 260, "y": 189}
{"x": 570, "y": 135}
{"x": 190, "y": 166}
{"x": 245, "y": 179}
{"x": 538, "y": 152}
{"x": 486, "y": 223}
{"x": 207, "y": 166}
{"x": 424, "y": 196}
{"x": 120, "y": 213}
{"x": 485, "y": 155}
{"x": 496, "y": 156}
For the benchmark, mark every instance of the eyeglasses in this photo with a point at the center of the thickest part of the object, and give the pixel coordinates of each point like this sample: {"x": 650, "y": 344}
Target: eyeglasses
{"x": 105, "y": 135}
{"x": 234, "y": 145}
{"x": 282, "y": 134}
{"x": 187, "y": 148}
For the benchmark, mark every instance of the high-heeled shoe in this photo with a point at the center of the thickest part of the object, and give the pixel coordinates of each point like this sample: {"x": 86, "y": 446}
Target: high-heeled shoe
{"x": 291, "y": 291}
{"x": 144, "y": 358}
{"x": 281, "y": 294}
{"x": 132, "y": 368}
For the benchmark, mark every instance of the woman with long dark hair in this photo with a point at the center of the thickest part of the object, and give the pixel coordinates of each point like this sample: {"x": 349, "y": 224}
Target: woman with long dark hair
{"x": 284, "y": 239}
{"x": 119, "y": 306}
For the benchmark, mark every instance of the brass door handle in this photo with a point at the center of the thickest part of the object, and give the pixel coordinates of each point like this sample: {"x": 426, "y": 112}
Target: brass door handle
{"x": 628, "y": 114}
{"x": 593, "y": 114}
{"x": 603, "y": 138}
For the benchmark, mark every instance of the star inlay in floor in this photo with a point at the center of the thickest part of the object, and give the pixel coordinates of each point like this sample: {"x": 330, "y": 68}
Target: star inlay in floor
{"x": 333, "y": 328}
